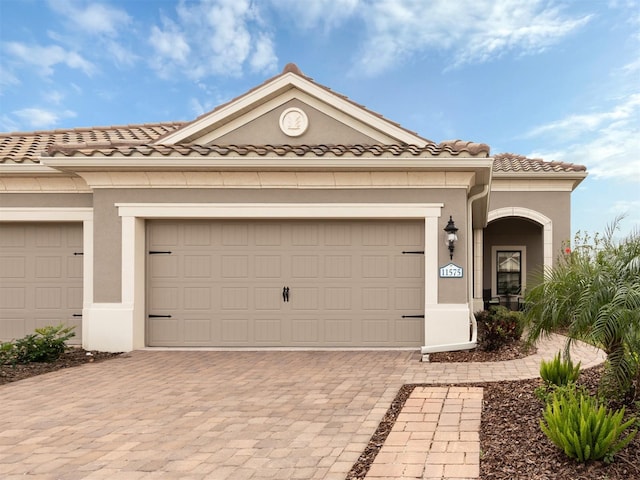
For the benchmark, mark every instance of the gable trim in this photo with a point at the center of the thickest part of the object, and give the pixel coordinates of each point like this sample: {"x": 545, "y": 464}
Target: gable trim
{"x": 274, "y": 88}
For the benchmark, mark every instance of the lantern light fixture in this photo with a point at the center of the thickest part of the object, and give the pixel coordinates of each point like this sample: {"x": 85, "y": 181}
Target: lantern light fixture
{"x": 451, "y": 238}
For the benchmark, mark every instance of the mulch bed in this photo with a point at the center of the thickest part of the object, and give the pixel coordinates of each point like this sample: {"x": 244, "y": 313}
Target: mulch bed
{"x": 512, "y": 445}
{"x": 72, "y": 358}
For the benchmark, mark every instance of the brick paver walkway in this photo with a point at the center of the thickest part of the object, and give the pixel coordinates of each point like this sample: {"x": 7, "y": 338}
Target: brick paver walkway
{"x": 232, "y": 415}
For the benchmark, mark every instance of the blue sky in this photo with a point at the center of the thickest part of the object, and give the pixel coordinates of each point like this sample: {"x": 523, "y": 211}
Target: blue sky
{"x": 558, "y": 80}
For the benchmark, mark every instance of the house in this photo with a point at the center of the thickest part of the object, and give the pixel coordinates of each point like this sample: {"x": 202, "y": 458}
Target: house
{"x": 290, "y": 216}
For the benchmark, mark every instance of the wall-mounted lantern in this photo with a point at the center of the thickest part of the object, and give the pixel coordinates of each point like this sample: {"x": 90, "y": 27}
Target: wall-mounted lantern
{"x": 451, "y": 238}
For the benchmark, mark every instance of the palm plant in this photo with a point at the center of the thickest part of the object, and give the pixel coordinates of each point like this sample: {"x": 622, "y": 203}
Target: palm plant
{"x": 593, "y": 295}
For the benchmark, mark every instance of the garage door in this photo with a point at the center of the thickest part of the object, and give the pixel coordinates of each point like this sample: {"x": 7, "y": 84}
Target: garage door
{"x": 40, "y": 277}
{"x": 292, "y": 283}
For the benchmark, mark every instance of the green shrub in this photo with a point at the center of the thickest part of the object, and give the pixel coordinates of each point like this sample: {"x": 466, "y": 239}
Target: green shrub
{"x": 498, "y": 327}
{"x": 582, "y": 428}
{"x": 46, "y": 345}
{"x": 559, "y": 371}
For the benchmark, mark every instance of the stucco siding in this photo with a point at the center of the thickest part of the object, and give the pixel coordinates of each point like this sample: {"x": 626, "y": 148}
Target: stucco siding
{"x": 46, "y": 200}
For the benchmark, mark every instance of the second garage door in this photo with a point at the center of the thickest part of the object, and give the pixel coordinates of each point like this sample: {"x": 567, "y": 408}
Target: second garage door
{"x": 40, "y": 278}
{"x": 291, "y": 283}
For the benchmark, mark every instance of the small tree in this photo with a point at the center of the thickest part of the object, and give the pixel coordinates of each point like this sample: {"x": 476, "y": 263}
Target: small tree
{"x": 593, "y": 294}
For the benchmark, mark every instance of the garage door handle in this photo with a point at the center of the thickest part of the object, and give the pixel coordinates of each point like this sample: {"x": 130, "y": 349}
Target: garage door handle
{"x": 412, "y": 316}
{"x": 285, "y": 294}
{"x": 159, "y": 316}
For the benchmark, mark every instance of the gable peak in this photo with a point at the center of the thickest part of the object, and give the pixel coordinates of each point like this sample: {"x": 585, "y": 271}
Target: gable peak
{"x": 292, "y": 68}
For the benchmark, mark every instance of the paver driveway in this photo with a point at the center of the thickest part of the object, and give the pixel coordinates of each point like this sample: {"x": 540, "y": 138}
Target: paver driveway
{"x": 218, "y": 415}
{"x": 200, "y": 414}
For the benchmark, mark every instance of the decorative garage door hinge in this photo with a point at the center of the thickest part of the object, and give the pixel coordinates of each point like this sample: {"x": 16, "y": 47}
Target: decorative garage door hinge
{"x": 160, "y": 252}
{"x": 413, "y": 252}
{"x": 412, "y": 316}
{"x": 159, "y": 316}
{"x": 78, "y": 253}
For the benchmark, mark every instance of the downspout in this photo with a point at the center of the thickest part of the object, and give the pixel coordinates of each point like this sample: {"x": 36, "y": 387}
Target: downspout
{"x": 470, "y": 258}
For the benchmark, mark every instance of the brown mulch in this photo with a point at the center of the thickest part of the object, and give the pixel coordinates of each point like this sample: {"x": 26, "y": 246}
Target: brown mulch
{"x": 72, "y": 358}
{"x": 512, "y": 351}
{"x": 512, "y": 445}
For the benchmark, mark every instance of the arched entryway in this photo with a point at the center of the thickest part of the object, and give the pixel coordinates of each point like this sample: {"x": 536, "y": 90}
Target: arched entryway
{"x": 516, "y": 245}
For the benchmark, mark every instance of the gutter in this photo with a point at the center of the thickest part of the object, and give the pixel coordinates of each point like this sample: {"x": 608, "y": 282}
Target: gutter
{"x": 470, "y": 257}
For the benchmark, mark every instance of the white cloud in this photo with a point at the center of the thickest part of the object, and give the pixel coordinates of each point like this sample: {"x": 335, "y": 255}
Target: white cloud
{"x": 470, "y": 31}
{"x": 46, "y": 57}
{"x": 213, "y": 37}
{"x": 93, "y": 18}
{"x": 328, "y": 14}
{"x": 41, "y": 118}
{"x": 607, "y": 142}
{"x": 7, "y": 79}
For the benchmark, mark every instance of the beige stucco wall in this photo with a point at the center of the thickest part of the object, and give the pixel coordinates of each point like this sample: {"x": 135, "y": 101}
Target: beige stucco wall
{"x": 107, "y": 224}
{"x": 34, "y": 200}
{"x": 554, "y": 205}
{"x": 323, "y": 129}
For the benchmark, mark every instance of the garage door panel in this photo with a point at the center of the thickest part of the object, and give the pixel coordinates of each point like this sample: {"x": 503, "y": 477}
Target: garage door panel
{"x": 197, "y": 266}
{"x": 165, "y": 331}
{"x": 348, "y": 282}
{"x": 235, "y": 266}
{"x": 375, "y": 266}
{"x": 408, "y": 329}
{"x": 304, "y": 298}
{"x": 375, "y": 298}
{"x": 48, "y": 267}
{"x": 13, "y": 267}
{"x": 375, "y": 331}
{"x": 235, "y": 331}
{"x": 13, "y": 236}
{"x": 74, "y": 266}
{"x": 12, "y": 298}
{"x": 339, "y": 331}
{"x": 304, "y": 331}
{"x": 304, "y": 235}
{"x": 197, "y": 331}
{"x": 197, "y": 235}
{"x": 338, "y": 266}
{"x": 268, "y": 235}
{"x": 338, "y": 235}
{"x": 304, "y": 266}
{"x": 235, "y": 234}
{"x": 375, "y": 234}
{"x": 235, "y": 298}
{"x": 268, "y": 266}
{"x": 49, "y": 236}
{"x": 408, "y": 266}
{"x": 197, "y": 298}
{"x": 409, "y": 298}
{"x": 268, "y": 331}
{"x": 338, "y": 298}
{"x": 267, "y": 298}
{"x": 163, "y": 266}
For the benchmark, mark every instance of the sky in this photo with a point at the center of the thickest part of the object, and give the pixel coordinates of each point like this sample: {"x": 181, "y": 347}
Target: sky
{"x": 558, "y": 80}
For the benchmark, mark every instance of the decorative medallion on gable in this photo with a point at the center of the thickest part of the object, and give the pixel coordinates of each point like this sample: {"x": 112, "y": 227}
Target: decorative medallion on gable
{"x": 294, "y": 122}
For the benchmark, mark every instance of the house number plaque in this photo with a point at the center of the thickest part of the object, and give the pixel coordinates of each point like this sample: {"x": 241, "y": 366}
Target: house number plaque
{"x": 451, "y": 271}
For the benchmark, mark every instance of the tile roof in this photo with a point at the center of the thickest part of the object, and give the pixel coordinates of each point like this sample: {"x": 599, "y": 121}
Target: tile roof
{"x": 511, "y": 162}
{"x": 431, "y": 150}
{"x": 26, "y": 147}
